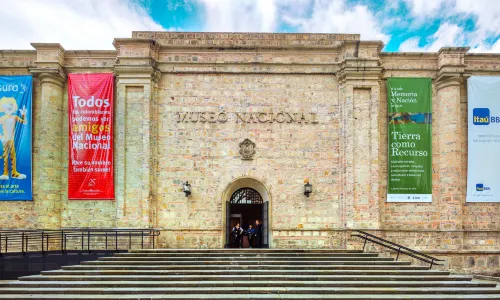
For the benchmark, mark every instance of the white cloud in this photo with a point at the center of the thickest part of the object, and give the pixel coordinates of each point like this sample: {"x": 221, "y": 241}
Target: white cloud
{"x": 448, "y": 35}
{"x": 240, "y": 16}
{"x": 425, "y": 8}
{"x": 483, "y": 48}
{"x": 75, "y": 24}
{"x": 338, "y": 17}
{"x": 411, "y": 45}
{"x": 317, "y": 16}
{"x": 485, "y": 13}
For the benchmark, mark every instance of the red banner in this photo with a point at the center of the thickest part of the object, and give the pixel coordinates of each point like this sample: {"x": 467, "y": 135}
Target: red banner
{"x": 90, "y": 114}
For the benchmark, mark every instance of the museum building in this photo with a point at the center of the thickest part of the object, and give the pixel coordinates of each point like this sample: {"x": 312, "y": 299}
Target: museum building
{"x": 210, "y": 129}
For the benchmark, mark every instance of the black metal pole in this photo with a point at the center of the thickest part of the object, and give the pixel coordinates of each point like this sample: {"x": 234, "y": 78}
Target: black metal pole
{"x": 142, "y": 239}
{"x": 22, "y": 242}
{"x": 62, "y": 242}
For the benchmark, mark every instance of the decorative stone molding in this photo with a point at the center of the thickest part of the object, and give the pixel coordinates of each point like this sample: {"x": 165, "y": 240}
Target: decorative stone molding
{"x": 49, "y": 59}
{"x": 136, "y": 58}
{"x": 451, "y": 63}
{"x": 54, "y": 78}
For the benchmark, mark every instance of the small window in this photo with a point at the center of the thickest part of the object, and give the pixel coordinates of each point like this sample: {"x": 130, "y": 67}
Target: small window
{"x": 246, "y": 196}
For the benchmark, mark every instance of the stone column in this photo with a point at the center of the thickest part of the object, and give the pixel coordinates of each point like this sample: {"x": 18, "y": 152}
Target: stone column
{"x": 135, "y": 132}
{"x": 48, "y": 135}
{"x": 450, "y": 129}
{"x": 359, "y": 79}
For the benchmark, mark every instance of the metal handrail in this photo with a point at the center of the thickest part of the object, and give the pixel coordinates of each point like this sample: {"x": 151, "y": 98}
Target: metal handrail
{"x": 397, "y": 247}
{"x": 43, "y": 240}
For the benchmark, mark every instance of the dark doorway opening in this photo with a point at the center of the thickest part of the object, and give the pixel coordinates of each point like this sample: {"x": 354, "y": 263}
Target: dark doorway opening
{"x": 244, "y": 207}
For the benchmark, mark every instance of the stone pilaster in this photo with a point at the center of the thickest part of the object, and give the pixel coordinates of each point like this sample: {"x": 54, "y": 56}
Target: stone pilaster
{"x": 47, "y": 142}
{"x": 135, "y": 132}
{"x": 359, "y": 90}
{"x": 450, "y": 127}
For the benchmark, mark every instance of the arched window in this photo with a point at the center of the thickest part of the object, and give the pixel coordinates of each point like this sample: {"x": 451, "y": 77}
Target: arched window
{"x": 246, "y": 196}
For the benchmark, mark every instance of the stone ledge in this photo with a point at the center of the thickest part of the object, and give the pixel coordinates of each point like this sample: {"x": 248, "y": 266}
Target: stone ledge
{"x": 248, "y": 39}
{"x": 490, "y": 278}
{"x": 458, "y": 252}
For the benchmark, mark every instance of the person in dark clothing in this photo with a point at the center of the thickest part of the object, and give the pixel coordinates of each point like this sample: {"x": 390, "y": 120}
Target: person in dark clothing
{"x": 237, "y": 234}
{"x": 258, "y": 234}
{"x": 251, "y": 235}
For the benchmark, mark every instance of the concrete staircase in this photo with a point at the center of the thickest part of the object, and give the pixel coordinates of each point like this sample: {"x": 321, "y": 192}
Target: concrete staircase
{"x": 246, "y": 274}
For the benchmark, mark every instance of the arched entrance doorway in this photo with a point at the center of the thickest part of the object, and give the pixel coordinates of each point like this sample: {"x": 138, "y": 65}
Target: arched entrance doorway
{"x": 247, "y": 200}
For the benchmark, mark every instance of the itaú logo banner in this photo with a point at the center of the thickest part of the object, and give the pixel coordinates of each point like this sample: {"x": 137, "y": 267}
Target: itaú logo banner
{"x": 480, "y": 187}
{"x": 481, "y": 116}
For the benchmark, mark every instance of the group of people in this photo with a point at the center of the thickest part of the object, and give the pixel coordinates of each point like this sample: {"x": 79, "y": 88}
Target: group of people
{"x": 254, "y": 235}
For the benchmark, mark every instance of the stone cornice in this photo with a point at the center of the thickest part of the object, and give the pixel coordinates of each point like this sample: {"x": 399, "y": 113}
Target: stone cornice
{"x": 448, "y": 80}
{"x": 47, "y": 46}
{"x": 128, "y": 71}
{"x": 228, "y": 40}
{"x": 90, "y": 53}
{"x": 50, "y": 77}
{"x": 17, "y": 52}
{"x": 354, "y": 69}
{"x": 49, "y": 60}
{"x": 133, "y": 41}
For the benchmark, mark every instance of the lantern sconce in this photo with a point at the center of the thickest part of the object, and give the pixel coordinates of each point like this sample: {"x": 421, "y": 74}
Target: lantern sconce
{"x": 308, "y": 188}
{"x": 186, "y": 188}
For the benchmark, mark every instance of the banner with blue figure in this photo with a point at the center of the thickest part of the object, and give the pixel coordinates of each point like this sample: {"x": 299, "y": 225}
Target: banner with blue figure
{"x": 15, "y": 137}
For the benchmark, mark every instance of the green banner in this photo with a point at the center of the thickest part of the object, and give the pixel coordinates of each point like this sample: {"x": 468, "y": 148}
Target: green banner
{"x": 410, "y": 140}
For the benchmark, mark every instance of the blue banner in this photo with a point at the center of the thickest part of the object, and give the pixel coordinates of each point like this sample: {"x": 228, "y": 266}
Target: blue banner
{"x": 15, "y": 137}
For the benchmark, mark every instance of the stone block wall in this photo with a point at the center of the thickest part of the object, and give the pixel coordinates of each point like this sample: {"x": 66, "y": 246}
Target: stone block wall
{"x": 173, "y": 93}
{"x": 207, "y": 153}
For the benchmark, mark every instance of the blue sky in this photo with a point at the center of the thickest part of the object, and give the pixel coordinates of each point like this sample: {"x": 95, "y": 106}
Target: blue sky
{"x": 403, "y": 25}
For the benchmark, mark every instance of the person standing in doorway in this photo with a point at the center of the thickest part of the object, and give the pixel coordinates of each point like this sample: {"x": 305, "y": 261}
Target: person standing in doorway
{"x": 251, "y": 235}
{"x": 258, "y": 234}
{"x": 237, "y": 234}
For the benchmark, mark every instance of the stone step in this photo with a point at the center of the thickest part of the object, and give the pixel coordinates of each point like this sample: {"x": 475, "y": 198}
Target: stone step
{"x": 231, "y": 258}
{"x": 360, "y": 271}
{"x": 212, "y": 267}
{"x": 242, "y": 283}
{"x": 241, "y": 254}
{"x": 245, "y": 250}
{"x": 252, "y": 290}
{"x": 248, "y": 262}
{"x": 414, "y": 270}
{"x": 247, "y": 274}
{"x": 245, "y": 263}
{"x": 375, "y": 276}
{"x": 251, "y": 296}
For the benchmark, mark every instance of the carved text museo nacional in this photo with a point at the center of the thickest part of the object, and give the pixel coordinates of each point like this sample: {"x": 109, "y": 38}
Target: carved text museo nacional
{"x": 247, "y": 117}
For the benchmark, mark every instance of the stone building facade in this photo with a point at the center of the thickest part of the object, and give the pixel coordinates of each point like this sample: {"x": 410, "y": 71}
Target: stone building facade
{"x": 184, "y": 103}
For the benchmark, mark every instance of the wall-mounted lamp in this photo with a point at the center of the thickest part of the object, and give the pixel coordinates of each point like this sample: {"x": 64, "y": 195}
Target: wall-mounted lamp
{"x": 308, "y": 189}
{"x": 186, "y": 188}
